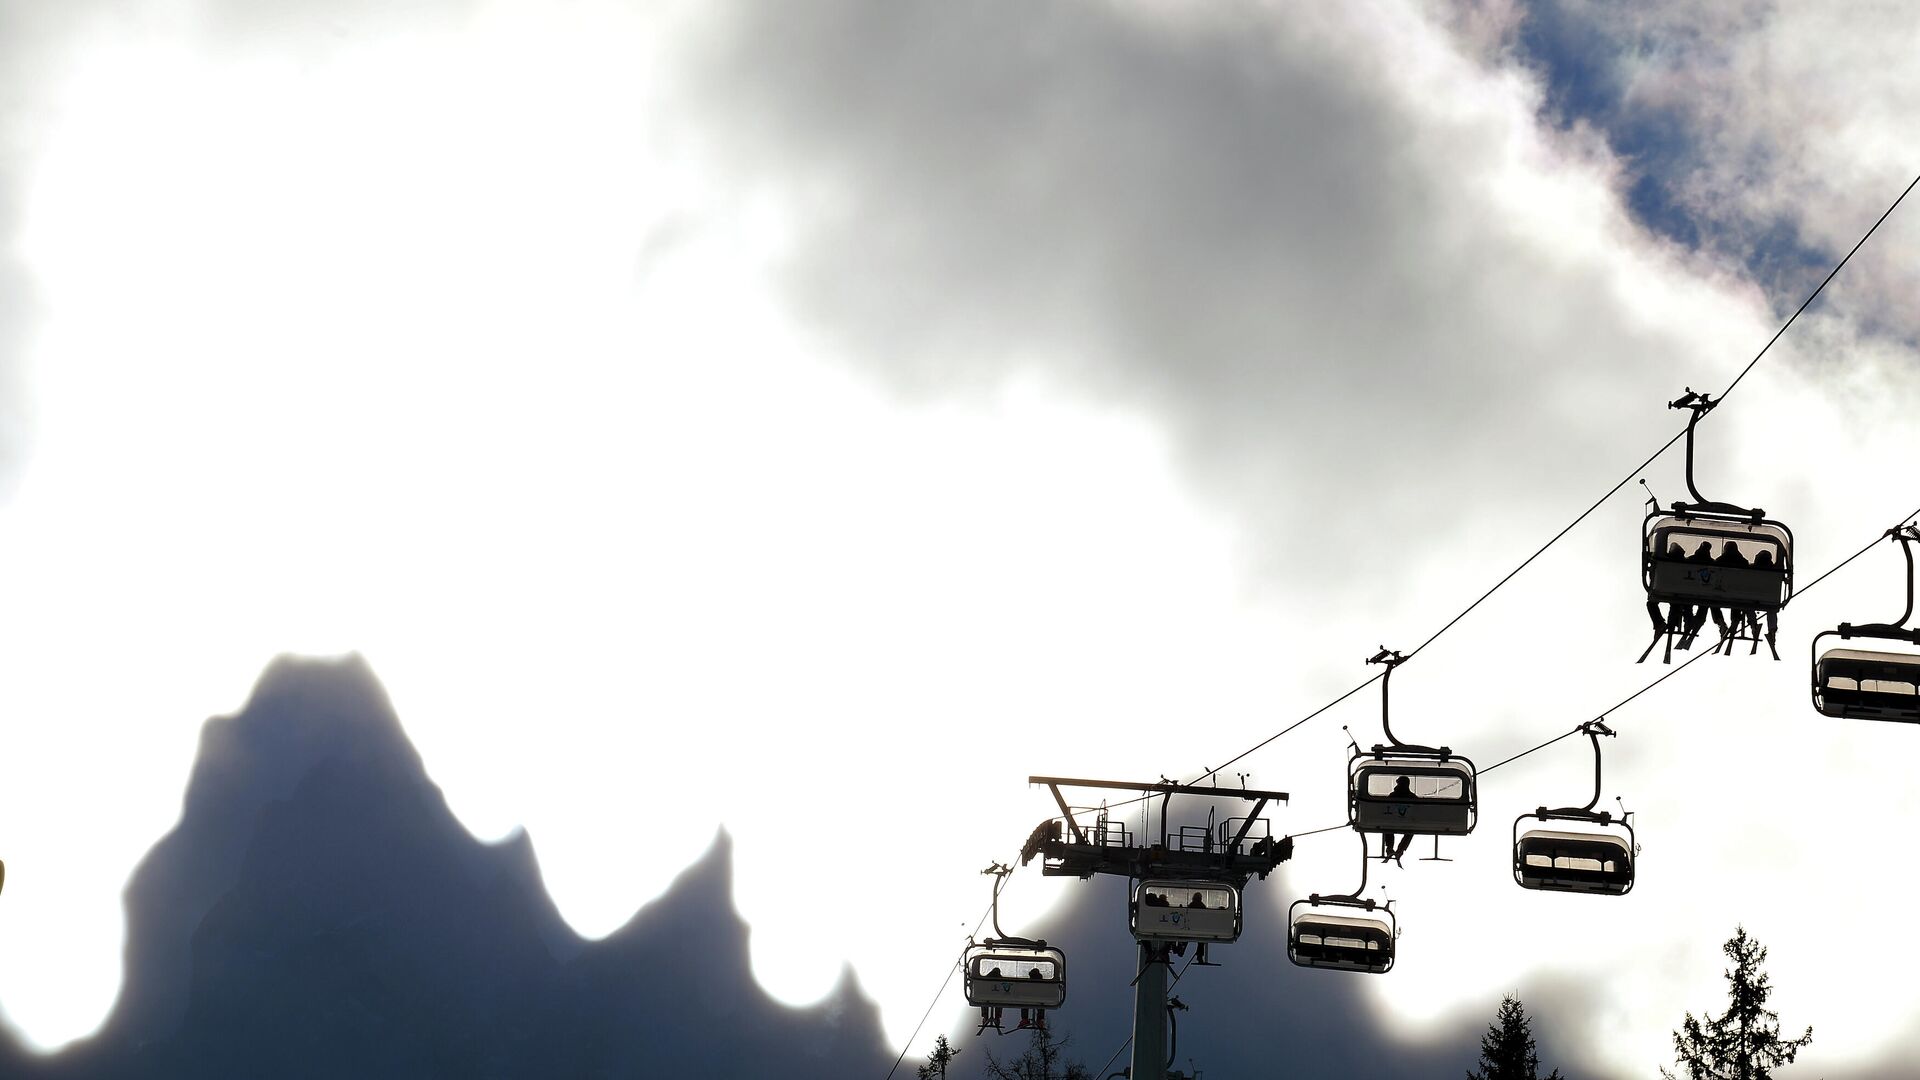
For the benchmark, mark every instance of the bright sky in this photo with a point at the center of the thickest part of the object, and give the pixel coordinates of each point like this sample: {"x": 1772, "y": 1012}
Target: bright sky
{"x": 635, "y": 412}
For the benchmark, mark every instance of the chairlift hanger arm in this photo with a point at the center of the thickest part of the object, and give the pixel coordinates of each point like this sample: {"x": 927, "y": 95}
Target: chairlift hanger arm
{"x": 1392, "y": 659}
{"x": 1700, "y": 404}
{"x": 1594, "y": 729}
{"x": 1896, "y": 630}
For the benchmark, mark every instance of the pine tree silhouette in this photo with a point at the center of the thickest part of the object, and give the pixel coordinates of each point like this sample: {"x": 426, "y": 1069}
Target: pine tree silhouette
{"x": 1506, "y": 1050}
{"x": 1744, "y": 1043}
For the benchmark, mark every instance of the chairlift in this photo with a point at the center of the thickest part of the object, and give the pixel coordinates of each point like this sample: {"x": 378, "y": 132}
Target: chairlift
{"x": 1203, "y": 911}
{"x": 1005, "y": 972}
{"x": 1002, "y": 972}
{"x": 1343, "y": 932}
{"x": 1403, "y": 788}
{"x": 1863, "y": 684}
{"x": 1712, "y": 558}
{"x": 1578, "y": 850}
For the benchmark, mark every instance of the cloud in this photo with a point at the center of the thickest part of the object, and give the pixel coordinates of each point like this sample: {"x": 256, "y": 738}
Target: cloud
{"x": 1767, "y": 136}
{"x": 1305, "y": 243}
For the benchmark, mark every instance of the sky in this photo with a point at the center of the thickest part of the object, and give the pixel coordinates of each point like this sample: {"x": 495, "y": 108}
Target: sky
{"x": 815, "y": 418}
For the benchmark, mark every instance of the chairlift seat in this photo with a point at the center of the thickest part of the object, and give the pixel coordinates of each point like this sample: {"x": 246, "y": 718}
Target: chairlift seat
{"x": 998, "y": 974}
{"x": 1558, "y": 860}
{"x": 1688, "y": 579}
{"x": 1439, "y": 798}
{"x": 1342, "y": 942}
{"x": 1865, "y": 685}
{"x": 1186, "y": 911}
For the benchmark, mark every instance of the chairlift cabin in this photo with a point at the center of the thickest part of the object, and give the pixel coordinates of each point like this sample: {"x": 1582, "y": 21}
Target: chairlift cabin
{"x": 1866, "y": 684}
{"x": 1586, "y": 859}
{"x": 1411, "y": 791}
{"x": 1185, "y": 911}
{"x": 1858, "y": 684}
{"x": 1715, "y": 558}
{"x": 1402, "y": 788}
{"x": 1007, "y": 974}
{"x": 1341, "y": 933}
{"x": 1576, "y": 848}
{"x": 1718, "y": 560}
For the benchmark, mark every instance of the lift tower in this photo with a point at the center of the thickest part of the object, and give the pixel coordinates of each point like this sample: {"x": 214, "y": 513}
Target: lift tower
{"x": 1203, "y": 859}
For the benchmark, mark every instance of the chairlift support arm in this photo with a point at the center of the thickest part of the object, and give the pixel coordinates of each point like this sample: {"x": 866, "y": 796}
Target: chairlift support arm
{"x": 1391, "y": 659}
{"x": 1700, "y": 404}
{"x": 1898, "y": 629}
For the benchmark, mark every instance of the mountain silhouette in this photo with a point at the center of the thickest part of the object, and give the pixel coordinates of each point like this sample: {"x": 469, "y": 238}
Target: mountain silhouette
{"x": 319, "y": 912}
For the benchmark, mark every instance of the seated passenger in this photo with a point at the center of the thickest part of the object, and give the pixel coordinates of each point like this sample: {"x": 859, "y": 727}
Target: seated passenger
{"x": 1703, "y": 553}
{"x": 1198, "y": 901}
{"x": 1730, "y": 555}
{"x": 1764, "y": 560}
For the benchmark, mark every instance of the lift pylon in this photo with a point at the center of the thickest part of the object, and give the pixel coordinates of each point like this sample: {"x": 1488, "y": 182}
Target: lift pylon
{"x": 1187, "y": 883}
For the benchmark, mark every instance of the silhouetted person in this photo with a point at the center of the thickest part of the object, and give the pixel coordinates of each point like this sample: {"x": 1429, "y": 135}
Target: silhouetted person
{"x": 1730, "y": 555}
{"x": 1198, "y": 901}
{"x": 1034, "y": 974}
{"x": 994, "y": 974}
{"x": 1703, "y": 553}
{"x": 1402, "y": 789}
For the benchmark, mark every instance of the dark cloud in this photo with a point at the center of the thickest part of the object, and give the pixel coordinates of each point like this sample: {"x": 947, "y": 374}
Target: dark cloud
{"x": 1237, "y": 226}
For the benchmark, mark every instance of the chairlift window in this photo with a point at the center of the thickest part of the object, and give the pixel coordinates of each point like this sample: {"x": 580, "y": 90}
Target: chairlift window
{"x": 1186, "y": 911}
{"x": 1390, "y": 784}
{"x": 1182, "y": 895}
{"x": 1004, "y": 967}
{"x": 1693, "y": 540}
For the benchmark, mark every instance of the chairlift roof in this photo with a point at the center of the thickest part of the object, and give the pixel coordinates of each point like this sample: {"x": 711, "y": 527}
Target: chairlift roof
{"x": 1560, "y": 836}
{"x": 1401, "y": 759}
{"x": 1869, "y": 656}
{"x": 1716, "y": 527}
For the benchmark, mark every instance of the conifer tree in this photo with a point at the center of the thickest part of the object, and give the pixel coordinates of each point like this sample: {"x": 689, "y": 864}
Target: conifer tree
{"x": 937, "y": 1062}
{"x": 1506, "y": 1050}
{"x": 1744, "y": 1043}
